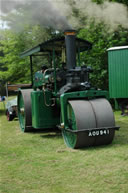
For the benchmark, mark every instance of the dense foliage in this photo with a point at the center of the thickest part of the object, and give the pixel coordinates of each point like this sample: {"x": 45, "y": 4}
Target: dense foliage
{"x": 102, "y": 39}
{"x": 12, "y": 44}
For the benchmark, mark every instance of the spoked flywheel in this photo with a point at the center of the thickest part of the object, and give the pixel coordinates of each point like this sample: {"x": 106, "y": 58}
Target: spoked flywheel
{"x": 90, "y": 123}
{"x": 24, "y": 110}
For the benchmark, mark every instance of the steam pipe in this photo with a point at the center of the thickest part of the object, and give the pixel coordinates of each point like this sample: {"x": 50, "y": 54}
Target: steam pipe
{"x": 70, "y": 49}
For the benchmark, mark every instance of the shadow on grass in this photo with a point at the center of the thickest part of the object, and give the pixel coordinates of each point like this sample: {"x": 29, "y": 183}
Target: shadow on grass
{"x": 119, "y": 139}
{"x": 44, "y": 130}
{"x": 47, "y": 133}
{"x": 52, "y": 135}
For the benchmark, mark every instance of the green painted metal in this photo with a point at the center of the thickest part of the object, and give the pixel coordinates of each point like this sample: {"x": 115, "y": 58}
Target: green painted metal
{"x": 118, "y": 72}
{"x": 70, "y": 138}
{"x": 44, "y": 115}
{"x": 38, "y": 79}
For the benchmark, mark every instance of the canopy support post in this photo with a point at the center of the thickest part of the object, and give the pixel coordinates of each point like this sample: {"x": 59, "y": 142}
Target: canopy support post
{"x": 31, "y": 69}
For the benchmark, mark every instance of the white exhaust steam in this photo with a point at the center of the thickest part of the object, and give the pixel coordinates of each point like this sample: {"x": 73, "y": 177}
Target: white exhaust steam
{"x": 58, "y": 14}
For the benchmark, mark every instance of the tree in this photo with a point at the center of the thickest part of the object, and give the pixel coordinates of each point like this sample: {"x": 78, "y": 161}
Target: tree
{"x": 12, "y": 44}
{"x": 102, "y": 39}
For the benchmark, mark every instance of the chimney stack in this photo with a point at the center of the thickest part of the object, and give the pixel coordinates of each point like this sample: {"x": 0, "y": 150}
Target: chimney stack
{"x": 70, "y": 49}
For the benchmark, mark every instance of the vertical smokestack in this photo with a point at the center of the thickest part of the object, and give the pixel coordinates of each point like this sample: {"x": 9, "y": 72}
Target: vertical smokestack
{"x": 70, "y": 48}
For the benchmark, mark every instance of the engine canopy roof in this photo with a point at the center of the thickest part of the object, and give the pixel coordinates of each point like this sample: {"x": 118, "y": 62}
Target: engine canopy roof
{"x": 57, "y": 44}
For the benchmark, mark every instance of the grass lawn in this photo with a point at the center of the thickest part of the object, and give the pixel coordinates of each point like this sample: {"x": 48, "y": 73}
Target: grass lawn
{"x": 41, "y": 163}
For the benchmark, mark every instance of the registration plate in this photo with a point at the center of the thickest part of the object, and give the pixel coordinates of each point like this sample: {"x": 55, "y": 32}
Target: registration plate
{"x": 94, "y": 133}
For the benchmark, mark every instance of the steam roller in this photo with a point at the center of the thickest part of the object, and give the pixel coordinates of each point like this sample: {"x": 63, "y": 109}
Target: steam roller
{"x": 62, "y": 96}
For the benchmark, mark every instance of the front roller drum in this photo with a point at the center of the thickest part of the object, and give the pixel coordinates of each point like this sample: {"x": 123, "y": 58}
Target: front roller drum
{"x": 24, "y": 110}
{"x": 91, "y": 121}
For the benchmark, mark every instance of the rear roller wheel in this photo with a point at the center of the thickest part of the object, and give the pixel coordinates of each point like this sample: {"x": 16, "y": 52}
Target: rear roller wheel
{"x": 84, "y": 115}
{"x": 24, "y": 110}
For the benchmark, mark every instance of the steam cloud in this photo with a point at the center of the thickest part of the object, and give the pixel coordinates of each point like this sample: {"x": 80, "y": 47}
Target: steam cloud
{"x": 58, "y": 14}
{"x": 111, "y": 13}
{"x": 43, "y": 12}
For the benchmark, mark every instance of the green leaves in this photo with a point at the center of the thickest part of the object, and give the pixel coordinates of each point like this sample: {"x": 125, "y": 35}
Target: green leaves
{"x": 102, "y": 39}
{"x": 11, "y": 45}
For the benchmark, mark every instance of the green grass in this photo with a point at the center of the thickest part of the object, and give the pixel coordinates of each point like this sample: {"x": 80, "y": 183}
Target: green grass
{"x": 41, "y": 163}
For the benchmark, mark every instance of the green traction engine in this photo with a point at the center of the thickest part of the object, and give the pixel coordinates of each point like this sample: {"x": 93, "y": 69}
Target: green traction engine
{"x": 62, "y": 96}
